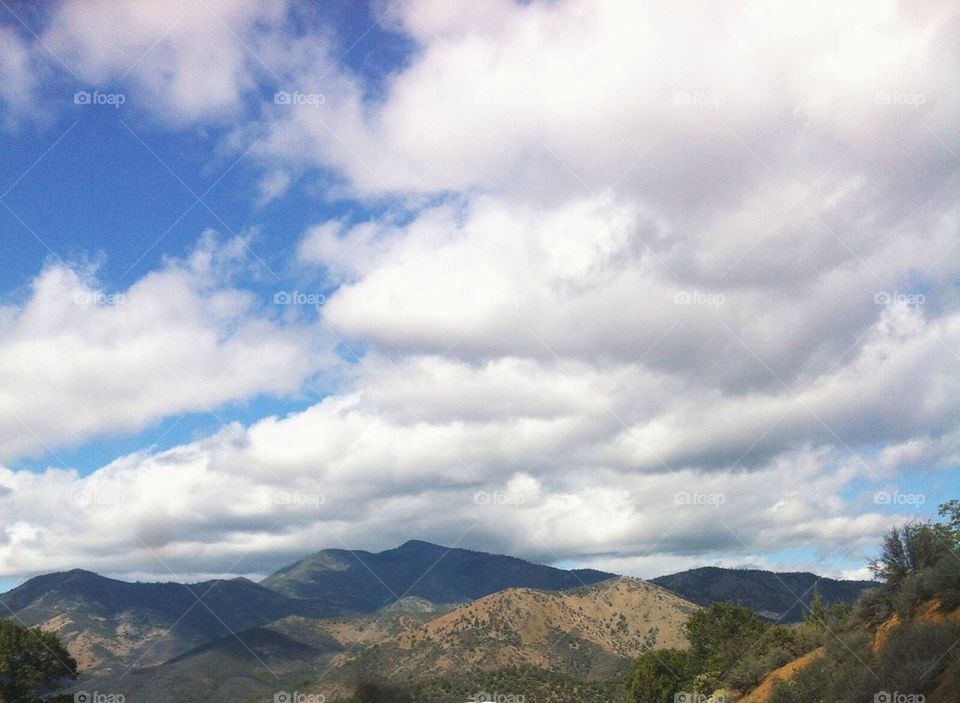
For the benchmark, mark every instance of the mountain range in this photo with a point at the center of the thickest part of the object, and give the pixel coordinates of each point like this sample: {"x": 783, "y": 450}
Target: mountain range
{"x": 420, "y": 612}
{"x": 780, "y": 596}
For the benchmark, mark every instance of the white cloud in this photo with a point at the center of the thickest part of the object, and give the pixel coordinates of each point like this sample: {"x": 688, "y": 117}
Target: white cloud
{"x": 667, "y": 250}
{"x": 79, "y": 361}
{"x": 18, "y": 75}
{"x": 184, "y": 61}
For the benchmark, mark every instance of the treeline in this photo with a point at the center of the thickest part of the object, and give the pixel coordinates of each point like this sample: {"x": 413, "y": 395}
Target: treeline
{"x": 883, "y": 648}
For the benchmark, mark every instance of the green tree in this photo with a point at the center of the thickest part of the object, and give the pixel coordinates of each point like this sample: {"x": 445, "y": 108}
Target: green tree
{"x": 721, "y": 634}
{"x": 826, "y": 616}
{"x": 657, "y": 676}
{"x": 34, "y": 665}
{"x": 909, "y": 550}
{"x": 951, "y": 511}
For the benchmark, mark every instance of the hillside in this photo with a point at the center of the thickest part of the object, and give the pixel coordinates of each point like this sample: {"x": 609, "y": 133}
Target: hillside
{"x": 360, "y": 581}
{"x": 587, "y": 635}
{"x": 253, "y": 665}
{"x": 771, "y": 594}
{"x": 110, "y": 625}
{"x": 590, "y": 633}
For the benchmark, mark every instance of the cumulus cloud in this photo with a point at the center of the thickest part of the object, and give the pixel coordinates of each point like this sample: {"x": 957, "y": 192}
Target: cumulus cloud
{"x": 664, "y": 265}
{"x": 184, "y": 61}
{"x": 79, "y": 361}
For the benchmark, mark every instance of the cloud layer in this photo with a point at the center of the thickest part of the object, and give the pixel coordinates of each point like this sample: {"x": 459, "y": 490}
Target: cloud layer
{"x": 651, "y": 285}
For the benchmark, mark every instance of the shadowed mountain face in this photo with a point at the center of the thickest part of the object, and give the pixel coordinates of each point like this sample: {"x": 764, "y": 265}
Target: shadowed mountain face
{"x": 108, "y": 623}
{"x": 362, "y": 581}
{"x": 773, "y": 595}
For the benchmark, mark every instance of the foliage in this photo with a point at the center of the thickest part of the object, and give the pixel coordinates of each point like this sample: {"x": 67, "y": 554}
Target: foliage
{"x": 658, "y": 675}
{"x": 33, "y": 664}
{"x": 908, "y": 550}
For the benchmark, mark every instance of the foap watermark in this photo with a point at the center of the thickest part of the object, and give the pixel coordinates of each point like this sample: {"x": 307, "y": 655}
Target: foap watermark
{"x": 885, "y": 97}
{"x": 297, "y": 98}
{"x": 496, "y": 498}
{"x": 314, "y": 500}
{"x": 85, "y": 97}
{"x": 97, "y": 298}
{"x": 690, "y": 697}
{"x": 695, "y": 498}
{"x": 295, "y": 297}
{"x": 298, "y": 697}
{"x": 895, "y": 297}
{"x": 98, "y": 499}
{"x": 497, "y": 697}
{"x": 897, "y": 697}
{"x": 698, "y": 98}
{"x": 98, "y": 697}
{"x": 696, "y": 297}
{"x": 897, "y": 498}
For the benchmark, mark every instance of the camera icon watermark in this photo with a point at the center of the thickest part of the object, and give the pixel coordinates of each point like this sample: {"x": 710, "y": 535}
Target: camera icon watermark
{"x": 98, "y": 697}
{"x": 85, "y": 97}
{"x": 691, "y": 697}
{"x": 897, "y": 498}
{"x": 284, "y": 97}
{"x": 298, "y": 697}
{"x": 314, "y": 500}
{"x": 496, "y": 697}
{"x": 496, "y": 498}
{"x": 284, "y": 297}
{"x": 696, "y": 498}
{"x": 97, "y": 499}
{"x": 695, "y": 297}
{"x": 96, "y": 298}
{"x": 698, "y": 98}
{"x": 885, "y": 297}
{"x": 914, "y": 100}
{"x": 897, "y": 697}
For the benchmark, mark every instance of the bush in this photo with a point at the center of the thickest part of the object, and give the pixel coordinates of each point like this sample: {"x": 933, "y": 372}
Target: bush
{"x": 657, "y": 676}
{"x": 944, "y": 582}
{"x": 914, "y": 654}
{"x": 873, "y": 607}
{"x": 809, "y": 684}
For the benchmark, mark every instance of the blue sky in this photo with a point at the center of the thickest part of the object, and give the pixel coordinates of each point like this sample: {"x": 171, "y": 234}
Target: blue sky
{"x": 556, "y": 255}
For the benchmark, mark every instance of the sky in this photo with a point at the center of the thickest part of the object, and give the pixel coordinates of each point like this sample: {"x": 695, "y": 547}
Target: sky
{"x": 636, "y": 286}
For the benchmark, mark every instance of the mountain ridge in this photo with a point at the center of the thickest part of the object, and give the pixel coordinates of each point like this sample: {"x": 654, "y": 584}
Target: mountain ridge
{"x": 773, "y": 594}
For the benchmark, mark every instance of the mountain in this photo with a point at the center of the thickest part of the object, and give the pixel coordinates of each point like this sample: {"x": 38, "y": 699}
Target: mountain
{"x": 591, "y": 633}
{"x": 579, "y": 640}
{"x": 252, "y": 665}
{"x": 108, "y": 624}
{"x": 361, "y": 581}
{"x": 771, "y": 594}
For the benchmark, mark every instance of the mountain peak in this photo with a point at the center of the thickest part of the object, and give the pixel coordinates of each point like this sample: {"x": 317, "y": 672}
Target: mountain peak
{"x": 420, "y": 545}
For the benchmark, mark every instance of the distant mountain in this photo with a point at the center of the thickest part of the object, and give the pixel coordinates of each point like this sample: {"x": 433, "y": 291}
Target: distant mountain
{"x": 363, "y": 581}
{"x": 108, "y": 624}
{"x": 771, "y": 594}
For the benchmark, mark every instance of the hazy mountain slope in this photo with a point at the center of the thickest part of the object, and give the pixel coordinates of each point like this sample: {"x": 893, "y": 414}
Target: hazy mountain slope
{"x": 771, "y": 594}
{"x": 253, "y": 665}
{"x": 108, "y": 624}
{"x": 364, "y": 581}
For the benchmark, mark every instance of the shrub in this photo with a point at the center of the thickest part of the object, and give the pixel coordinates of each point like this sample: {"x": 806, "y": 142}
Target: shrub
{"x": 657, "y": 676}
